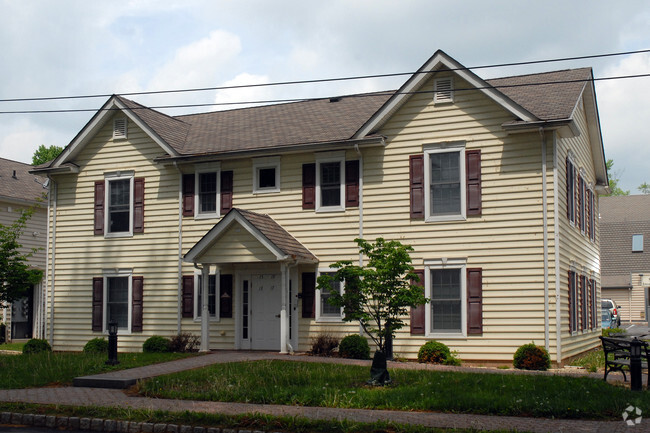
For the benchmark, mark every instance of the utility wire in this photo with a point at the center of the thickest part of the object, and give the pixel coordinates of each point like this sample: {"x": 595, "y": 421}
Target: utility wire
{"x": 322, "y": 80}
{"x": 279, "y": 101}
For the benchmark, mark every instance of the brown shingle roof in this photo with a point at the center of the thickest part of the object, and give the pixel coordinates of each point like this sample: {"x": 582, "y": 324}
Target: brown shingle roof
{"x": 555, "y": 100}
{"x": 22, "y": 186}
{"x": 275, "y": 233}
{"x": 620, "y": 218}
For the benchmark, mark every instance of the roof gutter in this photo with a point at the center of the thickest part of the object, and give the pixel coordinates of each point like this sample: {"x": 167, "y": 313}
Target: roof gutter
{"x": 548, "y": 125}
{"x": 71, "y": 168}
{"x": 220, "y": 156}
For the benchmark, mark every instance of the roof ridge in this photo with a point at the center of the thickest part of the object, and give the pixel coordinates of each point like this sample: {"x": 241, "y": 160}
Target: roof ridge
{"x": 144, "y": 107}
{"x": 533, "y": 74}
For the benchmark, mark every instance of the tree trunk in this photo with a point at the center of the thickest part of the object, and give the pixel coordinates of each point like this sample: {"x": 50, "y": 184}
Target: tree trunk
{"x": 379, "y": 371}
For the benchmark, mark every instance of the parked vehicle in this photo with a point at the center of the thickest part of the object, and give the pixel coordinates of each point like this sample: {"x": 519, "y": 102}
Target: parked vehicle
{"x": 606, "y": 320}
{"x": 614, "y": 309}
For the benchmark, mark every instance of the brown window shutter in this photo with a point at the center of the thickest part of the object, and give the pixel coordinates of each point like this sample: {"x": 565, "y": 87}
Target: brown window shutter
{"x": 99, "y": 207}
{"x": 309, "y": 186}
{"x": 570, "y": 302}
{"x": 226, "y": 192}
{"x": 98, "y": 304}
{"x": 352, "y": 183}
{"x": 188, "y": 296}
{"x": 225, "y": 296}
{"x": 188, "y": 194}
{"x": 136, "y": 305}
{"x": 308, "y": 295}
{"x": 416, "y": 178}
{"x": 474, "y": 301}
{"x": 417, "y": 313}
{"x": 473, "y": 175}
{"x": 138, "y": 205}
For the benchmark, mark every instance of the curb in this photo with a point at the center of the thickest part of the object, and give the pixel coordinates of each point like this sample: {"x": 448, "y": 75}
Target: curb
{"x": 108, "y": 425}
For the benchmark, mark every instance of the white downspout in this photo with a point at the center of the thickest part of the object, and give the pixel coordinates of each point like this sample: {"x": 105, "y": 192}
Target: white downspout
{"x": 556, "y": 240}
{"x": 55, "y": 186}
{"x": 45, "y": 290}
{"x": 205, "y": 311}
{"x": 545, "y": 229}
{"x": 284, "y": 329}
{"x": 286, "y": 318}
{"x": 179, "y": 314}
{"x": 356, "y": 148}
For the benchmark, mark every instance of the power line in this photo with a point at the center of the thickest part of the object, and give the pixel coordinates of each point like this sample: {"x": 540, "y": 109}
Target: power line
{"x": 289, "y": 100}
{"x": 322, "y": 80}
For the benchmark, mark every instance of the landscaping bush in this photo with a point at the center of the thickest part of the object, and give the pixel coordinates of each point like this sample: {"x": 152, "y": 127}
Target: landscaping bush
{"x": 184, "y": 342}
{"x": 434, "y": 352}
{"x": 156, "y": 344}
{"x": 36, "y": 345}
{"x": 324, "y": 345}
{"x": 354, "y": 346}
{"x": 531, "y": 357}
{"x": 96, "y": 345}
{"x": 608, "y": 332}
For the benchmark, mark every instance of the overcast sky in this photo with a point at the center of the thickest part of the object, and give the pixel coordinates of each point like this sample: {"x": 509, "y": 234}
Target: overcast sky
{"x": 81, "y": 47}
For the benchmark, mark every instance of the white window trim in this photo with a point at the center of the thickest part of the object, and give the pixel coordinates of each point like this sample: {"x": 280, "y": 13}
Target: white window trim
{"x": 207, "y": 168}
{"x": 266, "y": 162}
{"x": 320, "y": 318}
{"x": 116, "y": 135}
{"x": 445, "y": 263}
{"x": 324, "y": 158}
{"x": 448, "y": 97}
{"x": 108, "y": 178}
{"x": 112, "y": 273}
{"x": 444, "y": 148}
{"x": 198, "y": 309}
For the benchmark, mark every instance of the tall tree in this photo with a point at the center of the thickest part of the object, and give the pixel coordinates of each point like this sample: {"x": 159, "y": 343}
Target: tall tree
{"x": 644, "y": 188}
{"x": 16, "y": 276}
{"x": 614, "y": 179}
{"x": 45, "y": 154}
{"x": 376, "y": 295}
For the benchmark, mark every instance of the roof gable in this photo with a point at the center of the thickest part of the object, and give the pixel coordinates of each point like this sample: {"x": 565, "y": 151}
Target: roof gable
{"x": 268, "y": 233}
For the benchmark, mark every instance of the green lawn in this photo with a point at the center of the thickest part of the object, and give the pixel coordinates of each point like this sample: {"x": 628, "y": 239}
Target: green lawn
{"x": 331, "y": 385}
{"x": 24, "y": 371}
{"x": 17, "y": 347}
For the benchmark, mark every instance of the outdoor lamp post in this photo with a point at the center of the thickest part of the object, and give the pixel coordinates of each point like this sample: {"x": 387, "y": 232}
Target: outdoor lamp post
{"x": 112, "y": 343}
{"x": 636, "y": 379}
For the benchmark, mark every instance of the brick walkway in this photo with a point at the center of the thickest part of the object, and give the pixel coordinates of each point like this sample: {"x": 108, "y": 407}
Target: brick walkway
{"x": 83, "y": 396}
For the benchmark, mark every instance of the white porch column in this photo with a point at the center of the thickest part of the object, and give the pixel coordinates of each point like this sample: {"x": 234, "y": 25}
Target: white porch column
{"x": 205, "y": 313}
{"x": 284, "y": 328}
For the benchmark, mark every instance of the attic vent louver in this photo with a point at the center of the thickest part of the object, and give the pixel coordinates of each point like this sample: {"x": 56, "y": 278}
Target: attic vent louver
{"x": 119, "y": 128}
{"x": 443, "y": 90}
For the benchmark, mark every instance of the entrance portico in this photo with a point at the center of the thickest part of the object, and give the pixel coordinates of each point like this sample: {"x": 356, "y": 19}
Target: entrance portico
{"x": 263, "y": 258}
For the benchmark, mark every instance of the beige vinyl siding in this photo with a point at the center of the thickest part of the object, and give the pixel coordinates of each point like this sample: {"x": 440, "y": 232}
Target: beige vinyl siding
{"x": 81, "y": 255}
{"x": 577, "y": 252}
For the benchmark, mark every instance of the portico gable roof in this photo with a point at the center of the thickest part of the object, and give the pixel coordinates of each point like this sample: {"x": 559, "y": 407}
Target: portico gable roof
{"x": 273, "y": 237}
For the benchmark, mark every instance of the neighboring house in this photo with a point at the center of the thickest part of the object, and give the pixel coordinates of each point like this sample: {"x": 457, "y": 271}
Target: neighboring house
{"x": 20, "y": 189}
{"x": 625, "y": 254}
{"x": 253, "y": 203}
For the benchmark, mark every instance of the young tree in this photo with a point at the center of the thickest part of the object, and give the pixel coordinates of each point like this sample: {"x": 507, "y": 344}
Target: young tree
{"x": 377, "y": 295}
{"x": 45, "y": 154}
{"x": 16, "y": 277}
{"x": 644, "y": 188}
{"x": 614, "y": 179}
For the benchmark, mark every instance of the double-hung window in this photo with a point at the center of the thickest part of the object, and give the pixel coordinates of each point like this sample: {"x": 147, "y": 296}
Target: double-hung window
{"x": 326, "y": 312}
{"x": 330, "y": 181}
{"x": 119, "y": 204}
{"x": 446, "y": 287}
{"x": 117, "y": 293}
{"x": 212, "y": 297}
{"x": 207, "y": 189}
{"x": 445, "y": 182}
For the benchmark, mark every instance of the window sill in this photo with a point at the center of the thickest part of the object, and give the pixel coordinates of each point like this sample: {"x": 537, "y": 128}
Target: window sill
{"x": 329, "y": 209}
{"x": 446, "y": 336}
{"x": 442, "y": 218}
{"x": 329, "y": 319}
{"x": 206, "y": 216}
{"x": 118, "y": 235}
{"x": 212, "y": 319}
{"x": 266, "y": 191}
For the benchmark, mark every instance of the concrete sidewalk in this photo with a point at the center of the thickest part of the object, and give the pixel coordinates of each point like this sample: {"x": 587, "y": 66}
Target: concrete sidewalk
{"x": 85, "y": 396}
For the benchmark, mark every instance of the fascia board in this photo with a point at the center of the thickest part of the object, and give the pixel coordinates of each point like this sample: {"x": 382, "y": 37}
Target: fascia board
{"x": 438, "y": 60}
{"x": 215, "y": 233}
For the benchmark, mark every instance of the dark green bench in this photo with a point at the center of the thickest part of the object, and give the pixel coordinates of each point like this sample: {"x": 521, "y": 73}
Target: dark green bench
{"x": 617, "y": 355}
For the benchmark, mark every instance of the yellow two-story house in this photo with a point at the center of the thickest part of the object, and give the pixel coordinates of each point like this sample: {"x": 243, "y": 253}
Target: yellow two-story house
{"x": 218, "y": 224}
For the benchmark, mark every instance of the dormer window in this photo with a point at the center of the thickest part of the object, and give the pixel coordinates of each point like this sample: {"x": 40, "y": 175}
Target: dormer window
{"x": 443, "y": 90}
{"x": 119, "y": 128}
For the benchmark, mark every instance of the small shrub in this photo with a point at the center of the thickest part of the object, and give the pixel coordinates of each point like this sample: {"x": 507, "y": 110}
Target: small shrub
{"x": 433, "y": 352}
{"x": 453, "y": 359}
{"x": 608, "y": 332}
{"x": 36, "y": 345}
{"x": 96, "y": 345}
{"x": 531, "y": 357}
{"x": 156, "y": 344}
{"x": 355, "y": 347}
{"x": 184, "y": 342}
{"x": 324, "y": 345}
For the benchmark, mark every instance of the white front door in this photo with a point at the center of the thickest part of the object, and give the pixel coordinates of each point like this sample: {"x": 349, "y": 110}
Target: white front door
{"x": 262, "y": 296}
